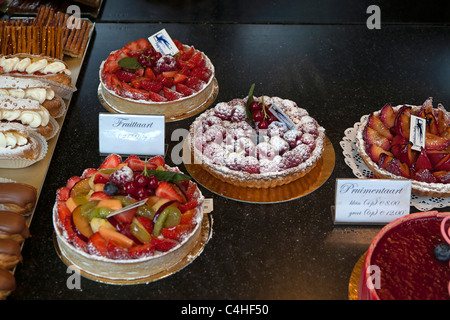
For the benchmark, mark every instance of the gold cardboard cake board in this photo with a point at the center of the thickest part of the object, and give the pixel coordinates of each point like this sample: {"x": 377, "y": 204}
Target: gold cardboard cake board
{"x": 205, "y": 235}
{"x": 103, "y": 97}
{"x": 353, "y": 286}
{"x": 294, "y": 190}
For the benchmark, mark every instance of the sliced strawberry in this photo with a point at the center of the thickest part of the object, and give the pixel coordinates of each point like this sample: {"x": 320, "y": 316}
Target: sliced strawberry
{"x": 176, "y": 232}
{"x": 99, "y": 195}
{"x": 158, "y": 161}
{"x": 134, "y": 157}
{"x": 126, "y": 76}
{"x": 101, "y": 177}
{"x": 185, "y": 90}
{"x": 71, "y": 182}
{"x": 196, "y": 58}
{"x": 188, "y": 217}
{"x": 137, "y": 83}
{"x": 169, "y": 74}
{"x": 142, "y": 250}
{"x": 166, "y": 82}
{"x": 111, "y": 161}
{"x": 181, "y": 64}
{"x": 179, "y": 78}
{"x": 187, "y": 53}
{"x": 146, "y": 223}
{"x": 149, "y": 74}
{"x": 202, "y": 73}
{"x": 190, "y": 190}
{"x": 97, "y": 245}
{"x": 63, "y": 211}
{"x": 143, "y": 43}
{"x": 88, "y": 172}
{"x": 116, "y": 85}
{"x": 151, "y": 85}
{"x": 165, "y": 190}
{"x": 162, "y": 244}
{"x": 127, "y": 216}
{"x": 132, "y": 46}
{"x": 115, "y": 251}
{"x": 157, "y": 97}
{"x": 188, "y": 206}
{"x": 195, "y": 83}
{"x": 111, "y": 66}
{"x": 178, "y": 44}
{"x": 63, "y": 193}
{"x": 172, "y": 95}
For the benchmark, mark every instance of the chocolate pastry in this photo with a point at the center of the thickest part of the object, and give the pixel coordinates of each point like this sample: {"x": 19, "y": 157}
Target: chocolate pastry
{"x": 10, "y": 254}
{"x": 13, "y": 226}
{"x": 17, "y": 197}
{"x": 7, "y": 283}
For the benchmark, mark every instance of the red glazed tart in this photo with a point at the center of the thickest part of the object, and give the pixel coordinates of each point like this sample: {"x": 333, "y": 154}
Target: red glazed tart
{"x": 383, "y": 143}
{"x": 247, "y": 146}
{"x": 160, "y": 228}
{"x": 401, "y": 263}
{"x": 138, "y": 79}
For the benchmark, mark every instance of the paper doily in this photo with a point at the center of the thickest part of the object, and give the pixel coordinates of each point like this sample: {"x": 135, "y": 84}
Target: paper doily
{"x": 360, "y": 170}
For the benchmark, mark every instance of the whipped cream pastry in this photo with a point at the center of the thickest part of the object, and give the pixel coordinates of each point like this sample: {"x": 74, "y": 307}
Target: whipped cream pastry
{"x": 26, "y": 111}
{"x": 26, "y": 89}
{"x": 30, "y": 66}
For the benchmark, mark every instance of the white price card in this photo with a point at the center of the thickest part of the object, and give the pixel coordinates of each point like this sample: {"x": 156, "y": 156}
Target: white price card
{"x": 418, "y": 127}
{"x": 281, "y": 116}
{"x": 371, "y": 201}
{"x": 163, "y": 43}
{"x": 127, "y": 134}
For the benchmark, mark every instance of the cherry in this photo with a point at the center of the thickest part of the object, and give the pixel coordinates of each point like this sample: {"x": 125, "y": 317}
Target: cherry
{"x": 255, "y": 106}
{"x": 140, "y": 193}
{"x": 129, "y": 187}
{"x": 263, "y": 124}
{"x": 141, "y": 180}
{"x": 258, "y": 116}
{"x": 152, "y": 182}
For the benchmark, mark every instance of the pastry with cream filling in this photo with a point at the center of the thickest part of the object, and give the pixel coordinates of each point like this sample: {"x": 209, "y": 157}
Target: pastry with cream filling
{"x": 17, "y": 142}
{"x": 28, "y": 112}
{"x": 33, "y": 89}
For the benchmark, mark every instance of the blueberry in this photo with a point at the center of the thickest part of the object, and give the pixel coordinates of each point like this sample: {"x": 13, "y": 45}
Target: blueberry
{"x": 442, "y": 252}
{"x": 110, "y": 189}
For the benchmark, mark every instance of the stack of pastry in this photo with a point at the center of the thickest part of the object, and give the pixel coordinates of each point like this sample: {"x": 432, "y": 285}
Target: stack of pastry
{"x": 20, "y": 36}
{"x": 75, "y": 31}
{"x": 16, "y": 201}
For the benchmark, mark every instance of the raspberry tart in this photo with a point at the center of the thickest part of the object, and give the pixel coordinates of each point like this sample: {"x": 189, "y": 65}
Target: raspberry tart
{"x": 242, "y": 143}
{"x": 409, "y": 260}
{"x": 383, "y": 142}
{"x": 139, "y": 79}
{"x": 129, "y": 219}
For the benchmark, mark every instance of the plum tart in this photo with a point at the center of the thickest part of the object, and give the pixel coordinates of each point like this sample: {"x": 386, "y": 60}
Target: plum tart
{"x": 138, "y": 78}
{"x": 241, "y": 142}
{"x": 128, "y": 219}
{"x": 383, "y": 142}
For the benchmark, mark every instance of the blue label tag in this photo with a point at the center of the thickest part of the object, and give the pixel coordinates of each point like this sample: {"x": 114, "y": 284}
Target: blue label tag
{"x": 163, "y": 43}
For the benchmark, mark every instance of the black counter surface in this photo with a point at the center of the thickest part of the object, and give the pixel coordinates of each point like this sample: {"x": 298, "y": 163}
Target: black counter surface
{"x": 320, "y": 55}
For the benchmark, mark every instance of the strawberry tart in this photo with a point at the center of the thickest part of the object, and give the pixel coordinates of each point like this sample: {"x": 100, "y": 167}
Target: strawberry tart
{"x": 409, "y": 260}
{"x": 139, "y": 79}
{"x": 243, "y": 143}
{"x": 127, "y": 220}
{"x": 383, "y": 142}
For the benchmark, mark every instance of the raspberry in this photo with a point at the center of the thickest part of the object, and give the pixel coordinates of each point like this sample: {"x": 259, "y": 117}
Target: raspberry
{"x": 246, "y": 146}
{"x": 234, "y": 161}
{"x": 215, "y": 133}
{"x": 215, "y": 153}
{"x": 265, "y": 150}
{"x": 276, "y": 128}
{"x": 279, "y": 144}
{"x": 238, "y": 114}
{"x": 166, "y": 63}
{"x": 292, "y": 158}
{"x": 121, "y": 176}
{"x": 266, "y": 165}
{"x": 310, "y": 128}
{"x": 250, "y": 164}
{"x": 223, "y": 111}
{"x": 309, "y": 140}
{"x": 292, "y": 137}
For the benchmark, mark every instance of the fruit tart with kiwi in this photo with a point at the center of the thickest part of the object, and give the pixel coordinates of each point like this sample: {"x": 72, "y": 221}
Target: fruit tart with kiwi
{"x": 138, "y": 77}
{"x": 383, "y": 142}
{"x": 128, "y": 219}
